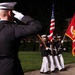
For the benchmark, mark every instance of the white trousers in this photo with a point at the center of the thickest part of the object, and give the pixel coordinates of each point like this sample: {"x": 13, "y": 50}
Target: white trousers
{"x": 44, "y": 66}
{"x": 51, "y": 60}
{"x": 61, "y": 60}
{"x": 57, "y": 62}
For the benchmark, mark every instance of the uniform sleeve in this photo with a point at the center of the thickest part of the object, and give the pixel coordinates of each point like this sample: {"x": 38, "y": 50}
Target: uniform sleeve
{"x": 31, "y": 27}
{"x": 27, "y": 19}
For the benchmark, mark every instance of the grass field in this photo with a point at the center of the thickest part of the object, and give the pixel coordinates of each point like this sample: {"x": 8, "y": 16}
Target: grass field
{"x": 31, "y": 61}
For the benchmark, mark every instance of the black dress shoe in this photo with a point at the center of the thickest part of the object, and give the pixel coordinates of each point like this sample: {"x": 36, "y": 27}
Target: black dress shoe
{"x": 54, "y": 71}
{"x": 64, "y": 69}
{"x": 48, "y": 72}
{"x": 41, "y": 72}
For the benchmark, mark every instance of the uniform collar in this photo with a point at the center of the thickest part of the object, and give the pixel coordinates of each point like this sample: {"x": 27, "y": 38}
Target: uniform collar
{"x": 5, "y": 22}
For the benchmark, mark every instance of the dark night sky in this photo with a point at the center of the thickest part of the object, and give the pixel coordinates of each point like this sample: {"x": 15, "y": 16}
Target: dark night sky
{"x": 34, "y": 7}
{"x": 41, "y": 6}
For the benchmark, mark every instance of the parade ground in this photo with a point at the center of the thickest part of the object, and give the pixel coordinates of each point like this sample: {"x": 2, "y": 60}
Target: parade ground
{"x": 70, "y": 70}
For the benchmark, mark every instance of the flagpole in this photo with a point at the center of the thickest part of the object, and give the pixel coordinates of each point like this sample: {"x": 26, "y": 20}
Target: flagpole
{"x": 63, "y": 38}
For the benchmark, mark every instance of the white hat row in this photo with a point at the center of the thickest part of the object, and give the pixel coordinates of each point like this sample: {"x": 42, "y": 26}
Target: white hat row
{"x": 44, "y": 35}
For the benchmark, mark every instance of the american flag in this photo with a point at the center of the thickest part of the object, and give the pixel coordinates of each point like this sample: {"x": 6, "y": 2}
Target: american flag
{"x": 52, "y": 24}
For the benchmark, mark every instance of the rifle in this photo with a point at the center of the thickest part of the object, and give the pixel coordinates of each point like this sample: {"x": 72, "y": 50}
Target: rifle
{"x": 42, "y": 41}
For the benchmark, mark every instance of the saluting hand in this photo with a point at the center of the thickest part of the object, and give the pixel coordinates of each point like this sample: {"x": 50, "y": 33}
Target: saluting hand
{"x": 18, "y": 15}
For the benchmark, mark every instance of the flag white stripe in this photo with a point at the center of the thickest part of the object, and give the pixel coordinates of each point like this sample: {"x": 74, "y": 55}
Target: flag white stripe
{"x": 52, "y": 24}
{"x": 52, "y": 19}
{"x": 51, "y": 34}
{"x": 52, "y": 28}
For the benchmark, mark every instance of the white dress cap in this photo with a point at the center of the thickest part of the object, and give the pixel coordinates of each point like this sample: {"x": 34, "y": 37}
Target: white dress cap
{"x": 48, "y": 36}
{"x": 7, "y": 5}
{"x": 58, "y": 36}
{"x": 43, "y": 36}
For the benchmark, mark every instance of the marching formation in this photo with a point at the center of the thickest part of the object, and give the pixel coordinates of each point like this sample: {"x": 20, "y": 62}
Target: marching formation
{"x": 53, "y": 60}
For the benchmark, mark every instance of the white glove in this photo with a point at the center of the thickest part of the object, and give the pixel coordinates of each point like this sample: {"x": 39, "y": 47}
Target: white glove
{"x": 60, "y": 55}
{"x": 62, "y": 41}
{"x": 64, "y": 49}
{"x": 50, "y": 48}
{"x": 47, "y": 48}
{"x": 18, "y": 15}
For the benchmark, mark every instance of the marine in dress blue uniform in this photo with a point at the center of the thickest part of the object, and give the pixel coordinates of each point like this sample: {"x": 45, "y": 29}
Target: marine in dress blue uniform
{"x": 50, "y": 55}
{"x": 60, "y": 47}
{"x": 44, "y": 53}
{"x": 10, "y": 36}
{"x": 55, "y": 54}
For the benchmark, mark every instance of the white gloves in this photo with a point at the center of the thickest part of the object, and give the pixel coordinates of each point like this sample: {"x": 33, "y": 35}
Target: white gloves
{"x": 60, "y": 55}
{"x": 47, "y": 48}
{"x": 62, "y": 41}
{"x": 64, "y": 49}
{"x": 18, "y": 15}
{"x": 50, "y": 48}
